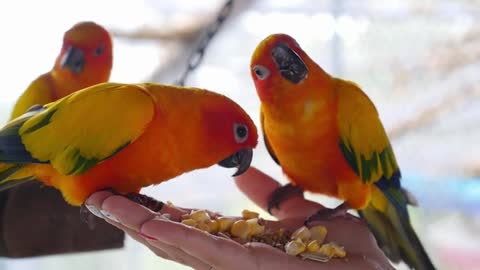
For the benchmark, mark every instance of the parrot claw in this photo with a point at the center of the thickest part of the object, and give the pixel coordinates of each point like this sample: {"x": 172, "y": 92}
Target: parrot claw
{"x": 88, "y": 217}
{"x": 282, "y": 194}
{"x": 329, "y": 213}
{"x": 146, "y": 201}
{"x": 141, "y": 199}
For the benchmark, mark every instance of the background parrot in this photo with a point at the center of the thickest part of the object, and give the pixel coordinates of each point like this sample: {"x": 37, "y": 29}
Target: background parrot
{"x": 84, "y": 60}
{"x": 124, "y": 137}
{"x": 328, "y": 138}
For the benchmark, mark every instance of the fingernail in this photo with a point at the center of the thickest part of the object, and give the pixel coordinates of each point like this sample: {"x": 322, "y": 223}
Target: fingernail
{"x": 94, "y": 210}
{"x": 146, "y": 236}
{"x": 109, "y": 216}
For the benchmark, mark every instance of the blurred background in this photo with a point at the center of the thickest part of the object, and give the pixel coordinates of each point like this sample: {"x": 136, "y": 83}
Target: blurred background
{"x": 418, "y": 61}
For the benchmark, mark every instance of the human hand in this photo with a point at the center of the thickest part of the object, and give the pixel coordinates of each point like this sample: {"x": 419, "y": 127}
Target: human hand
{"x": 175, "y": 241}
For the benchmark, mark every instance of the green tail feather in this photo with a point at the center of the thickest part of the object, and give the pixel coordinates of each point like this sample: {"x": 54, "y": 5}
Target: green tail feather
{"x": 396, "y": 237}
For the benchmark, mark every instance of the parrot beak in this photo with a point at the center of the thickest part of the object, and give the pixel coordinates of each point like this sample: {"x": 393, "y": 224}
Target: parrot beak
{"x": 241, "y": 160}
{"x": 290, "y": 65}
{"x": 73, "y": 59}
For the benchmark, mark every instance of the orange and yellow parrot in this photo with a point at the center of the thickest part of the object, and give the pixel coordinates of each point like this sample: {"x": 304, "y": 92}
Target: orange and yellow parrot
{"x": 84, "y": 60}
{"x": 327, "y": 136}
{"x": 124, "y": 137}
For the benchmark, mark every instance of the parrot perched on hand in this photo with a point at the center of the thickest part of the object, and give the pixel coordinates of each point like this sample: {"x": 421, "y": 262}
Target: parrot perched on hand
{"x": 327, "y": 136}
{"x": 84, "y": 60}
{"x": 124, "y": 137}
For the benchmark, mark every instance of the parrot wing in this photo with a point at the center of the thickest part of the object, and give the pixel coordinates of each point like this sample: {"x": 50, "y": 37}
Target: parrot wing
{"x": 75, "y": 133}
{"x": 265, "y": 139}
{"x": 366, "y": 148}
{"x": 363, "y": 140}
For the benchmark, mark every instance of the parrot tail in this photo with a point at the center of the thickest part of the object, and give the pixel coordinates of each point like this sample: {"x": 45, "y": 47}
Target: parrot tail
{"x": 10, "y": 176}
{"x": 13, "y": 155}
{"x": 390, "y": 224}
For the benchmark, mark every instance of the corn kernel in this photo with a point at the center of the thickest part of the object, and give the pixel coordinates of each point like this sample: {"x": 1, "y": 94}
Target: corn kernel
{"x": 318, "y": 233}
{"x": 225, "y": 223}
{"x": 255, "y": 227}
{"x": 332, "y": 250}
{"x": 313, "y": 246}
{"x": 200, "y": 215}
{"x": 302, "y": 233}
{"x": 240, "y": 229}
{"x": 185, "y": 216}
{"x": 247, "y": 214}
{"x": 189, "y": 222}
{"x": 295, "y": 247}
{"x": 203, "y": 226}
{"x": 213, "y": 226}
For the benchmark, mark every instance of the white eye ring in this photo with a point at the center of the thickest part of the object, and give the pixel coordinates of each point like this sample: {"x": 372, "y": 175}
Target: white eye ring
{"x": 261, "y": 72}
{"x": 240, "y": 131}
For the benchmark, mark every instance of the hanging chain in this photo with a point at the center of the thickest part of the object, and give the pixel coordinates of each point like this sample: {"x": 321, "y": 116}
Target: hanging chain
{"x": 196, "y": 57}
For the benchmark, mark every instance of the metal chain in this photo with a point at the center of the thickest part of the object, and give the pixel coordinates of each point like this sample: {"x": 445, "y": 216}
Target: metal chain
{"x": 197, "y": 56}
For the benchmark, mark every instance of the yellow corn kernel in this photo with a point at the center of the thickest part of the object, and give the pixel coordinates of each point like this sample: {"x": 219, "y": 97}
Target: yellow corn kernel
{"x": 313, "y": 246}
{"x": 295, "y": 247}
{"x": 302, "y": 233}
{"x": 200, "y": 215}
{"x": 224, "y": 223}
{"x": 189, "y": 222}
{"x": 318, "y": 233}
{"x": 203, "y": 226}
{"x": 240, "y": 229}
{"x": 247, "y": 214}
{"x": 213, "y": 226}
{"x": 185, "y": 216}
{"x": 255, "y": 227}
{"x": 332, "y": 250}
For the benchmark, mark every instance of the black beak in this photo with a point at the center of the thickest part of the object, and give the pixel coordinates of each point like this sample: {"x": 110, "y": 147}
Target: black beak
{"x": 290, "y": 65}
{"x": 241, "y": 160}
{"x": 73, "y": 59}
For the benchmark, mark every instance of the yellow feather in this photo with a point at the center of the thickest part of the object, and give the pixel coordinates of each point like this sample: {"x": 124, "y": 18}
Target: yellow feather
{"x": 122, "y": 119}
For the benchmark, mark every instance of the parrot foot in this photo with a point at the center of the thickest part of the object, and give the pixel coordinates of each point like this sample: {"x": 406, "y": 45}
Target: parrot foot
{"x": 146, "y": 201}
{"x": 149, "y": 202}
{"x": 282, "y": 194}
{"x": 88, "y": 217}
{"x": 329, "y": 213}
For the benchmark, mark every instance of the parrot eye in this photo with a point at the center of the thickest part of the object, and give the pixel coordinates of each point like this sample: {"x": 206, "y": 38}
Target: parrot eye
{"x": 99, "y": 50}
{"x": 241, "y": 132}
{"x": 261, "y": 72}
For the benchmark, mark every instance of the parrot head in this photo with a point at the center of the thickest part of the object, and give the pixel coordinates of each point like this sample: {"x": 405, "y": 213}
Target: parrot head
{"x": 86, "y": 54}
{"x": 278, "y": 64}
{"x": 233, "y": 133}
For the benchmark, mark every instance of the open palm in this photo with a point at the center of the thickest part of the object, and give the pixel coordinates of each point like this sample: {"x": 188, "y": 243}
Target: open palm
{"x": 175, "y": 241}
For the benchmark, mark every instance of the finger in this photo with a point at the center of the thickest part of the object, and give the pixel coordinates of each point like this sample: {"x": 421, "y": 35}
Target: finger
{"x": 126, "y": 212}
{"x": 178, "y": 255}
{"x": 220, "y": 253}
{"x": 162, "y": 250}
{"x": 258, "y": 187}
{"x": 136, "y": 236}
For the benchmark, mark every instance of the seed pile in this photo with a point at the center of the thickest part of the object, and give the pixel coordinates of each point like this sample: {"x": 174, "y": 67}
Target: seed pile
{"x": 308, "y": 243}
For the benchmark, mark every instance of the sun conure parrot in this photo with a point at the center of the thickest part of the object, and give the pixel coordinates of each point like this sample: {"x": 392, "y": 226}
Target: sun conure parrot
{"x": 124, "y": 137}
{"x": 327, "y": 136}
{"x": 85, "y": 59}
